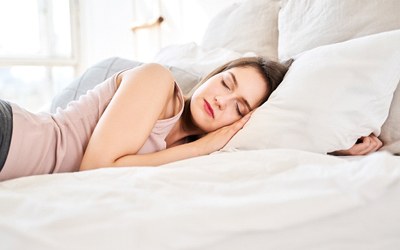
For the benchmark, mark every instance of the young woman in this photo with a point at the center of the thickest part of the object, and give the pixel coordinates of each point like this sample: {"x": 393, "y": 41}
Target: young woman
{"x": 138, "y": 117}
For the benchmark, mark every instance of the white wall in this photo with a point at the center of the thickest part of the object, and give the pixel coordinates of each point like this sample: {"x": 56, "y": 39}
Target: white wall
{"x": 105, "y": 26}
{"x": 105, "y": 30}
{"x": 185, "y": 21}
{"x": 189, "y": 18}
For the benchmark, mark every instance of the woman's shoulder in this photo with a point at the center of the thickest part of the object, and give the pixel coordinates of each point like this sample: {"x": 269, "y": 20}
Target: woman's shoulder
{"x": 152, "y": 76}
{"x": 156, "y": 80}
{"x": 149, "y": 71}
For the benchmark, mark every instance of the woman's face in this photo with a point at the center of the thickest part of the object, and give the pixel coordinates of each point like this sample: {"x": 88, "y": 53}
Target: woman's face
{"x": 227, "y": 97}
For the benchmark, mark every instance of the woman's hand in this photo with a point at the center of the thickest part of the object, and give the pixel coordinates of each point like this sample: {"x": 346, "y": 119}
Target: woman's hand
{"x": 363, "y": 146}
{"x": 217, "y": 139}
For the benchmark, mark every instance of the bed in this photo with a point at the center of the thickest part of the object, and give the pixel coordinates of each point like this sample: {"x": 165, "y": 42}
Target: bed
{"x": 273, "y": 186}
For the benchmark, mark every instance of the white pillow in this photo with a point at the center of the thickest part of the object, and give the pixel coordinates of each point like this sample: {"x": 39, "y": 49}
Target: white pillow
{"x": 331, "y": 96}
{"x": 306, "y": 24}
{"x": 194, "y": 59}
{"x": 250, "y": 26}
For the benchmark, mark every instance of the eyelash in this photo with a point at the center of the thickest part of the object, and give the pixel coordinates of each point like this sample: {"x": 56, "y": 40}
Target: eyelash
{"x": 237, "y": 105}
{"x": 238, "y": 110}
{"x": 225, "y": 85}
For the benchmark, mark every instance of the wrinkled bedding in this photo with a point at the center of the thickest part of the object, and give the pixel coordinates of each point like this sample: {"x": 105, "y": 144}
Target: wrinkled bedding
{"x": 261, "y": 199}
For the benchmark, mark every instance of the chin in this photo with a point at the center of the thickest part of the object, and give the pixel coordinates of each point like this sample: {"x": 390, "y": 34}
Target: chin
{"x": 202, "y": 119}
{"x": 201, "y": 124}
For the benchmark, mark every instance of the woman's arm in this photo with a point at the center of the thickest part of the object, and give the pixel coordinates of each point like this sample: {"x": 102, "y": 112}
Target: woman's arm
{"x": 140, "y": 100}
{"x": 207, "y": 144}
{"x": 364, "y": 146}
{"x": 127, "y": 122}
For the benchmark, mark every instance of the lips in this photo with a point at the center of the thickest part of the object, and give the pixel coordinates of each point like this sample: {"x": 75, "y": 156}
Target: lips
{"x": 208, "y": 109}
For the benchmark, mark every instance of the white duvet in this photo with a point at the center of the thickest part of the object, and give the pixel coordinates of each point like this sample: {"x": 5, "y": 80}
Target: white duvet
{"x": 262, "y": 199}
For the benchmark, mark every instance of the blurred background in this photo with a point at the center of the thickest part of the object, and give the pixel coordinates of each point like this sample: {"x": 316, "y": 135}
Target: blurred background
{"x": 45, "y": 44}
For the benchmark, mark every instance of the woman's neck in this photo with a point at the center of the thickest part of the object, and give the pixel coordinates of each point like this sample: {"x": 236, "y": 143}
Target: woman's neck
{"x": 179, "y": 134}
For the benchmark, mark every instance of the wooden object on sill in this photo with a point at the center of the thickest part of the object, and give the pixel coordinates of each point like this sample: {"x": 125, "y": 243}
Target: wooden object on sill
{"x": 145, "y": 25}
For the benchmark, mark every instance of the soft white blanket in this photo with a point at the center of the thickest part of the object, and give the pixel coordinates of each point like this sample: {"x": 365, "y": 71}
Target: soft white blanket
{"x": 262, "y": 199}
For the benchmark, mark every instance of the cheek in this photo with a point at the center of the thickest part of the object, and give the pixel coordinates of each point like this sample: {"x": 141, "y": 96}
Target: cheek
{"x": 230, "y": 116}
{"x": 211, "y": 87}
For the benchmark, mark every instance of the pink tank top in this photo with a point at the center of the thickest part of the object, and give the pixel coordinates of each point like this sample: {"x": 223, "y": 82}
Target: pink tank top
{"x": 46, "y": 143}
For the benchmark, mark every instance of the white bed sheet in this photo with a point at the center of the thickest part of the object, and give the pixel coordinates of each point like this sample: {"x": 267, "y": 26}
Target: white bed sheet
{"x": 261, "y": 199}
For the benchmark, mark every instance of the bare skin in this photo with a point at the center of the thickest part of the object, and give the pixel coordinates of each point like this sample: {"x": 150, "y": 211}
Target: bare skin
{"x": 365, "y": 145}
{"x": 220, "y": 108}
{"x": 118, "y": 136}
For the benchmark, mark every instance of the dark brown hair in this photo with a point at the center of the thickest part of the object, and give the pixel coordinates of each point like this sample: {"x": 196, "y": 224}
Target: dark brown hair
{"x": 273, "y": 73}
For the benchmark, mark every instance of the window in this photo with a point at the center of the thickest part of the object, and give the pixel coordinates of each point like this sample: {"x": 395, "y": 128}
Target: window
{"x": 38, "y": 50}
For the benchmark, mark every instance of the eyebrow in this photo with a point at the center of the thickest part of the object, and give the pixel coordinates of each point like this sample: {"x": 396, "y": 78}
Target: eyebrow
{"x": 236, "y": 85}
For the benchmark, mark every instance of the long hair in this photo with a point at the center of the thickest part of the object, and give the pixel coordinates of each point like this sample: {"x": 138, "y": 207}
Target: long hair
{"x": 273, "y": 73}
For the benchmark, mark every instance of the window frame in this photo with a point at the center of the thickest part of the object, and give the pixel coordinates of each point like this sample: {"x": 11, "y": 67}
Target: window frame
{"x": 53, "y": 61}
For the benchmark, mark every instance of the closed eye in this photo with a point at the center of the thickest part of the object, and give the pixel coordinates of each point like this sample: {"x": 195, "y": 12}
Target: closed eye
{"x": 238, "y": 110}
{"x": 225, "y": 85}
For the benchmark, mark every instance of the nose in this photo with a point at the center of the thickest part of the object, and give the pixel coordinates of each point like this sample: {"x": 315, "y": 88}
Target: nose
{"x": 222, "y": 101}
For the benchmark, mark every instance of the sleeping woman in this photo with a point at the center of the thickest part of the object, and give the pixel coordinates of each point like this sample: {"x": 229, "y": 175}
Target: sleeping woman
{"x": 139, "y": 117}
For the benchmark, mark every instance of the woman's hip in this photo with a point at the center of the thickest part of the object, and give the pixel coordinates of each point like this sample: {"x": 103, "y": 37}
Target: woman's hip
{"x": 6, "y": 128}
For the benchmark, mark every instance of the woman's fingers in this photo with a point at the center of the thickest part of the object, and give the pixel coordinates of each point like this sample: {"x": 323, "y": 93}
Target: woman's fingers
{"x": 219, "y": 138}
{"x": 240, "y": 123}
{"x": 375, "y": 144}
{"x": 378, "y": 142}
{"x": 366, "y": 145}
{"x": 357, "y": 148}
